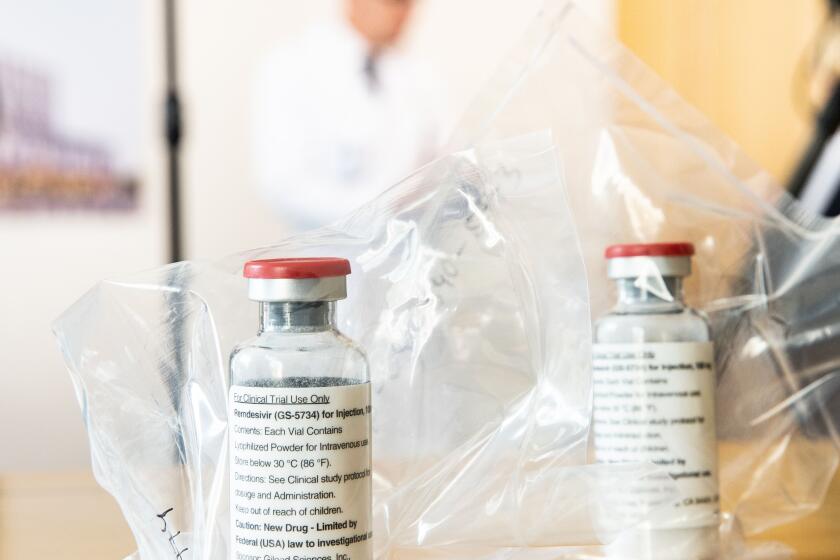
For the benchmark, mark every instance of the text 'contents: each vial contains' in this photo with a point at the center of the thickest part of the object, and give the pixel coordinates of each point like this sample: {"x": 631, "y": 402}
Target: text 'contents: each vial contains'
{"x": 299, "y": 421}
{"x": 300, "y": 472}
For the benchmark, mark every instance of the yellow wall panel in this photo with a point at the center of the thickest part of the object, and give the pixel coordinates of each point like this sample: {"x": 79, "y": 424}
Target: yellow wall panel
{"x": 738, "y": 61}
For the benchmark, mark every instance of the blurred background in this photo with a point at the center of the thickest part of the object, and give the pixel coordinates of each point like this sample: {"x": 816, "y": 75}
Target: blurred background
{"x": 105, "y": 107}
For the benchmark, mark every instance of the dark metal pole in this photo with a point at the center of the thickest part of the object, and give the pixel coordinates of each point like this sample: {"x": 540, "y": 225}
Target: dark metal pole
{"x": 174, "y": 131}
{"x": 174, "y": 374}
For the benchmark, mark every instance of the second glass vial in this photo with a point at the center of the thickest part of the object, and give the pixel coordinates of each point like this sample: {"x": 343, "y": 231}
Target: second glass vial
{"x": 654, "y": 402}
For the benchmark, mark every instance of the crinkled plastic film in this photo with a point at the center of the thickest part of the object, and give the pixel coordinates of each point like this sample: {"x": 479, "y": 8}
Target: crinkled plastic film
{"x": 468, "y": 294}
{"x": 651, "y": 168}
{"x": 474, "y": 283}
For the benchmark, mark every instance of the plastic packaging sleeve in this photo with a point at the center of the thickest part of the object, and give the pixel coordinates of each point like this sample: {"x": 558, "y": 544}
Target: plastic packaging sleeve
{"x": 475, "y": 283}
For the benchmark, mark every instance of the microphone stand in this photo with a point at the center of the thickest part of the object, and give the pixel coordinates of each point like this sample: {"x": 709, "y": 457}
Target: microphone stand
{"x": 177, "y": 300}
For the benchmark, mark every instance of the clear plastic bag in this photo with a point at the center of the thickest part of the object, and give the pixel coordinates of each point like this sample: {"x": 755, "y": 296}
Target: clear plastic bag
{"x": 469, "y": 296}
{"x": 474, "y": 284}
{"x": 651, "y": 168}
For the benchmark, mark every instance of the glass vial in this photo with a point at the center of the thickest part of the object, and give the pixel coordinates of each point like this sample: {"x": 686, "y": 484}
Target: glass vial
{"x": 299, "y": 421}
{"x": 654, "y": 402}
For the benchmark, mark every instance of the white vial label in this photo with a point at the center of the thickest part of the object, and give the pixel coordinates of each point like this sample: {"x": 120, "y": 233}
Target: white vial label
{"x": 300, "y": 483}
{"x": 655, "y": 403}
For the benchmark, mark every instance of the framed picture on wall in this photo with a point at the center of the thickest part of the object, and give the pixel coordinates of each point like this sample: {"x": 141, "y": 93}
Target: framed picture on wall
{"x": 70, "y": 100}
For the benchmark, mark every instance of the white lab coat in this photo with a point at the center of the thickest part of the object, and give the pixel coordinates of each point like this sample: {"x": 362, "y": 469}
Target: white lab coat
{"x": 325, "y": 142}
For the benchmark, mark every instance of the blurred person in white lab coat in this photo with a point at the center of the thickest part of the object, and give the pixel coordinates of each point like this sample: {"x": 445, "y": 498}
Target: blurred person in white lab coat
{"x": 341, "y": 114}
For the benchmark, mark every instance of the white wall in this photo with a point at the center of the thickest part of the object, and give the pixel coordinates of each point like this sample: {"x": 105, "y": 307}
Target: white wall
{"x": 52, "y": 259}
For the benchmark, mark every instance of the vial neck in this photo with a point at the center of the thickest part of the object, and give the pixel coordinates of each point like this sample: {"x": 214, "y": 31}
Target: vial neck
{"x": 660, "y": 295}
{"x": 296, "y": 316}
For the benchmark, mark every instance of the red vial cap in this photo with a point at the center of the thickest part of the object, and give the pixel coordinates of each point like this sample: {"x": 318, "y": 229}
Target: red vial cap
{"x": 295, "y": 268}
{"x": 649, "y": 250}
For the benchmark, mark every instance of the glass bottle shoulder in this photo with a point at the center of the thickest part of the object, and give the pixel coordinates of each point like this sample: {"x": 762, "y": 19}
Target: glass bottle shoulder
{"x": 291, "y": 359}
{"x": 680, "y": 325}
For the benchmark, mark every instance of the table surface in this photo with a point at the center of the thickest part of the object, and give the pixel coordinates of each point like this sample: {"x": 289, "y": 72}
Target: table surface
{"x": 68, "y": 516}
